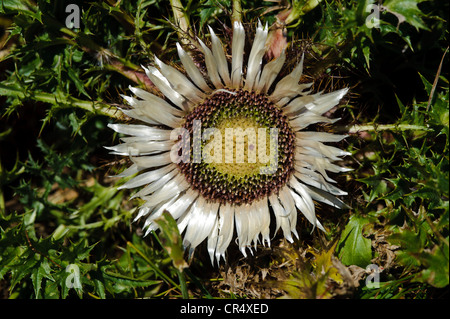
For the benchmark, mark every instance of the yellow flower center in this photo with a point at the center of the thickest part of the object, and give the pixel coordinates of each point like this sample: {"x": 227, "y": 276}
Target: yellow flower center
{"x": 242, "y": 140}
{"x": 247, "y": 147}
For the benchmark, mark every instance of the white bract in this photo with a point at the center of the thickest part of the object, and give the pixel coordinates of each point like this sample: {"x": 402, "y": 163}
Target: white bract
{"x": 164, "y": 188}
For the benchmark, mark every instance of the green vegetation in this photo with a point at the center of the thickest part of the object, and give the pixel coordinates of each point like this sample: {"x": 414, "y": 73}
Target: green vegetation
{"x": 62, "y": 217}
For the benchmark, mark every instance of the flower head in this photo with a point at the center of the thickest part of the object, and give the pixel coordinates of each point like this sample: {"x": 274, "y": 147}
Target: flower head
{"x": 228, "y": 151}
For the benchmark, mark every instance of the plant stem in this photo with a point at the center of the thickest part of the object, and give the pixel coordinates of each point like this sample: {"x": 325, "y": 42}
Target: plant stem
{"x": 153, "y": 266}
{"x": 61, "y": 99}
{"x": 2, "y": 198}
{"x": 237, "y": 11}
{"x": 181, "y": 22}
{"x": 438, "y": 73}
{"x": 383, "y": 127}
{"x": 299, "y": 9}
{"x": 113, "y": 62}
{"x": 183, "y": 286}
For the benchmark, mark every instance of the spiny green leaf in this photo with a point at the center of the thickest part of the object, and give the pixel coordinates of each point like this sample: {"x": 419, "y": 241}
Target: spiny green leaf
{"x": 119, "y": 279}
{"x": 51, "y": 290}
{"x": 378, "y": 187}
{"x": 407, "y": 10}
{"x": 101, "y": 196}
{"x": 8, "y": 6}
{"x": 436, "y": 272}
{"x": 38, "y": 273}
{"x": 78, "y": 251}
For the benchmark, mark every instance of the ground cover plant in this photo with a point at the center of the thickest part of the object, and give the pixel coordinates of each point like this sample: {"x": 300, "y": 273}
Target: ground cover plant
{"x": 66, "y": 231}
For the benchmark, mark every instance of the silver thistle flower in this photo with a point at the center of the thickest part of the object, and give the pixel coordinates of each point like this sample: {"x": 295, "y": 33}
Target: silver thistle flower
{"x": 210, "y": 199}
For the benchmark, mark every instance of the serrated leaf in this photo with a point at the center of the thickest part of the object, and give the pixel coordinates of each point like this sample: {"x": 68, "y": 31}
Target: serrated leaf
{"x": 378, "y": 187}
{"x": 36, "y": 278}
{"x": 406, "y": 11}
{"x": 39, "y": 273}
{"x": 23, "y": 267}
{"x": 437, "y": 266}
{"x": 51, "y": 290}
{"x": 127, "y": 281}
{"x": 428, "y": 86}
{"x": 78, "y": 83}
{"x": 324, "y": 265}
{"x": 401, "y": 187}
{"x": 439, "y": 114}
{"x": 21, "y": 7}
{"x": 61, "y": 277}
{"x": 102, "y": 195}
{"x": 412, "y": 242}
